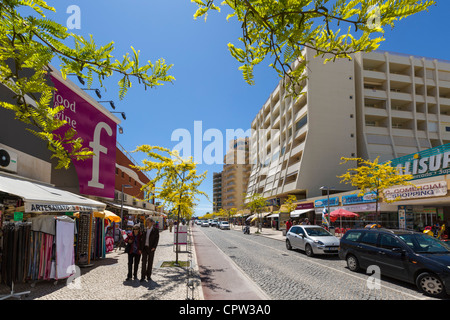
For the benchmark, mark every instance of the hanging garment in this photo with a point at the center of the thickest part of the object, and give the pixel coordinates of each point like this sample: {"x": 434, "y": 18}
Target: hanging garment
{"x": 65, "y": 255}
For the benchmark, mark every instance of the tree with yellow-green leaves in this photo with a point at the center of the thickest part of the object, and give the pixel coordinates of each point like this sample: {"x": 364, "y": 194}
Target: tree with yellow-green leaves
{"x": 255, "y": 203}
{"x": 374, "y": 177}
{"x": 279, "y": 30}
{"x": 289, "y": 203}
{"x": 29, "y": 43}
{"x": 176, "y": 181}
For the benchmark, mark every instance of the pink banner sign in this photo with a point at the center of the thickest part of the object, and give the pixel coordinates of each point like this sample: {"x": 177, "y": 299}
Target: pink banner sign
{"x": 96, "y": 175}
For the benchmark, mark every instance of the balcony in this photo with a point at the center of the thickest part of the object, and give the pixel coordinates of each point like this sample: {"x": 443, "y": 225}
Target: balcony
{"x": 377, "y": 130}
{"x": 377, "y": 112}
{"x": 397, "y": 95}
{"x": 402, "y": 114}
{"x": 400, "y": 78}
{"x": 373, "y": 93}
{"x": 374, "y": 75}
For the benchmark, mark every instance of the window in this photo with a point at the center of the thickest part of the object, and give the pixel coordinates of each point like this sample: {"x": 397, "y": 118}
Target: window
{"x": 389, "y": 242}
{"x": 369, "y": 238}
{"x": 301, "y": 123}
{"x": 301, "y": 231}
{"x": 294, "y": 230}
{"x": 352, "y": 236}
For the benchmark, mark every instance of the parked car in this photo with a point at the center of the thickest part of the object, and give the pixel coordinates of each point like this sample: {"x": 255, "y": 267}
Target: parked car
{"x": 406, "y": 255}
{"x": 213, "y": 223}
{"x": 312, "y": 239}
{"x": 205, "y": 223}
{"x": 224, "y": 225}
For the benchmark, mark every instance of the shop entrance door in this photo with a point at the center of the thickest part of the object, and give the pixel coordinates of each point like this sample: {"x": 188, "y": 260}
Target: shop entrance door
{"x": 428, "y": 219}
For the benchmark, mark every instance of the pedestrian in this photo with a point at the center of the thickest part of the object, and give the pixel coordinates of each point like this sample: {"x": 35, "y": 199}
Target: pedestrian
{"x": 306, "y": 222}
{"x": 288, "y": 225}
{"x": 170, "y": 225}
{"x": 149, "y": 242}
{"x": 134, "y": 251}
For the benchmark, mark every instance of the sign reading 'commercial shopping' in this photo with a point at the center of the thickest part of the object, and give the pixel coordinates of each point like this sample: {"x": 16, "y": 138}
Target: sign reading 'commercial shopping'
{"x": 424, "y": 190}
{"x": 98, "y": 132}
{"x": 424, "y": 164}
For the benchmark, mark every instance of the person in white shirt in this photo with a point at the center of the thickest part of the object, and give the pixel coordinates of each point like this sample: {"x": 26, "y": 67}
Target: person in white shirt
{"x": 149, "y": 242}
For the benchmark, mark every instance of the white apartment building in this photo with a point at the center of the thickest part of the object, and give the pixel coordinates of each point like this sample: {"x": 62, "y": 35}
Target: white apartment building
{"x": 403, "y": 104}
{"x": 377, "y": 104}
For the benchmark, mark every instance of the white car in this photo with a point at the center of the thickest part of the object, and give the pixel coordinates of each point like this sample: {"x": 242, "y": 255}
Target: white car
{"x": 224, "y": 225}
{"x": 312, "y": 239}
{"x": 205, "y": 223}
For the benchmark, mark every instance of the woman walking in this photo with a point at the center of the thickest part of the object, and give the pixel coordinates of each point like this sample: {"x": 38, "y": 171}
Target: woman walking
{"x": 133, "y": 250}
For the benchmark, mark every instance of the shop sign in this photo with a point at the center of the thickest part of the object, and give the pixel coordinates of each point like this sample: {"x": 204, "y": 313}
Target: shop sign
{"x": 354, "y": 198}
{"x": 424, "y": 190}
{"x": 365, "y": 207}
{"x": 428, "y": 163}
{"x": 302, "y": 206}
{"x": 18, "y": 216}
{"x": 324, "y": 202}
{"x": 98, "y": 132}
{"x": 33, "y": 207}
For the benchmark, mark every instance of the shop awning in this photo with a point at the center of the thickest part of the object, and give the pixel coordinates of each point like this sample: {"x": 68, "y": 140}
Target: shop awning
{"x": 297, "y": 213}
{"x": 273, "y": 215}
{"x": 130, "y": 209}
{"x": 40, "y": 197}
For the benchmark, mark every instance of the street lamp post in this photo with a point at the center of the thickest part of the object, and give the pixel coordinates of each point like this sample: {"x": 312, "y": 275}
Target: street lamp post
{"x": 328, "y": 202}
{"x": 121, "y": 205}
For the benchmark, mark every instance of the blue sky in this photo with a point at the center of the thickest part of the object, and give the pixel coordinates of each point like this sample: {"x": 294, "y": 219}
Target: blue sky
{"x": 208, "y": 86}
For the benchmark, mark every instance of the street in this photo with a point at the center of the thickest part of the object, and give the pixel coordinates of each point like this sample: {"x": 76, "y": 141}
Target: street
{"x": 291, "y": 275}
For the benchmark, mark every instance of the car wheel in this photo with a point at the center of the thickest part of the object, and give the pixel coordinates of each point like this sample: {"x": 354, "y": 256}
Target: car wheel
{"x": 430, "y": 284}
{"x": 288, "y": 245}
{"x": 352, "y": 263}
{"x": 308, "y": 250}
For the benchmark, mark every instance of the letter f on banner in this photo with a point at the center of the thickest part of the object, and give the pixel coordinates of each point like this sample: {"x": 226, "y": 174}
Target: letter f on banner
{"x": 97, "y": 148}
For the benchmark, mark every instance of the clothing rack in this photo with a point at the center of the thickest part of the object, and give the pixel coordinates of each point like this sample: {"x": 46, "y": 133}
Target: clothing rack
{"x": 12, "y": 294}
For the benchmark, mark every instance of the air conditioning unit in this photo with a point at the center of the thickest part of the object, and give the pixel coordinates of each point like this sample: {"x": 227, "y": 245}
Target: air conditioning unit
{"x": 8, "y": 160}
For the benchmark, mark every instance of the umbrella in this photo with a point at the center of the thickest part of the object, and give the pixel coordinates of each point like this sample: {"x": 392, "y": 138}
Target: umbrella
{"x": 339, "y": 213}
{"x": 106, "y": 214}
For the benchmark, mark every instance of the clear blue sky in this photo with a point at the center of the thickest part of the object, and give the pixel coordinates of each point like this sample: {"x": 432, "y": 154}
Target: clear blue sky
{"x": 208, "y": 86}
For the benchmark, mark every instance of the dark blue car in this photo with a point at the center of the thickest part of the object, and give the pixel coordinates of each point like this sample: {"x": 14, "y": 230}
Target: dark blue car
{"x": 401, "y": 254}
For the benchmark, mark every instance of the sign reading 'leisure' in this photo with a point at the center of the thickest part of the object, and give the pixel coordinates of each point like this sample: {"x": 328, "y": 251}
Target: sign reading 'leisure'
{"x": 428, "y": 163}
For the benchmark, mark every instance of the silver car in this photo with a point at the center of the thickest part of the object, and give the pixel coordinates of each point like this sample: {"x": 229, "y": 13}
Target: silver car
{"x": 312, "y": 239}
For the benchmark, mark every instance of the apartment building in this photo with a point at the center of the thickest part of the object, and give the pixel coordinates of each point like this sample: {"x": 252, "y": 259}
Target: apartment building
{"x": 403, "y": 104}
{"x": 296, "y": 144}
{"x": 217, "y": 191}
{"x": 235, "y": 174}
{"x": 377, "y": 104}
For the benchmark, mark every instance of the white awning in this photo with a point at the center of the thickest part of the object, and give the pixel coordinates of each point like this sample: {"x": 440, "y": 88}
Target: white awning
{"x": 131, "y": 210}
{"x": 297, "y": 213}
{"x": 40, "y": 197}
{"x": 273, "y": 215}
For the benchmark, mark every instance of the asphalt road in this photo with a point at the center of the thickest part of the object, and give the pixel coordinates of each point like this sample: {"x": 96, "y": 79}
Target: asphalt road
{"x": 291, "y": 275}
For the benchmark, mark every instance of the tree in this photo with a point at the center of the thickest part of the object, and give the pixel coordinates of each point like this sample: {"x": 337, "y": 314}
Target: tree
{"x": 255, "y": 203}
{"x": 175, "y": 181}
{"x": 28, "y": 44}
{"x": 281, "y": 29}
{"x": 289, "y": 203}
{"x": 373, "y": 177}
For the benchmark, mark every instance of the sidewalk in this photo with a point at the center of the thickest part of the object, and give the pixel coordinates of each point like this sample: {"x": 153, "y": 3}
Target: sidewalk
{"x": 106, "y": 279}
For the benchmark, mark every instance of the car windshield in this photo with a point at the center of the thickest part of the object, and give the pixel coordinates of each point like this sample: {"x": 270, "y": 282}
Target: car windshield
{"x": 317, "y": 232}
{"x": 422, "y": 243}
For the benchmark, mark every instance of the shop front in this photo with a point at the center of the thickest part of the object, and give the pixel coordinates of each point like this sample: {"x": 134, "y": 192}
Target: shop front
{"x": 41, "y": 238}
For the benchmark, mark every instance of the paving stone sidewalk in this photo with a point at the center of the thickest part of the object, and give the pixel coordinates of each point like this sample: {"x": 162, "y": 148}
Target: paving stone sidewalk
{"x": 106, "y": 279}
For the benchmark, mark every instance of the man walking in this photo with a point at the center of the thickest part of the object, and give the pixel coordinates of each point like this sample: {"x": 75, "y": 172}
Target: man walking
{"x": 149, "y": 242}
